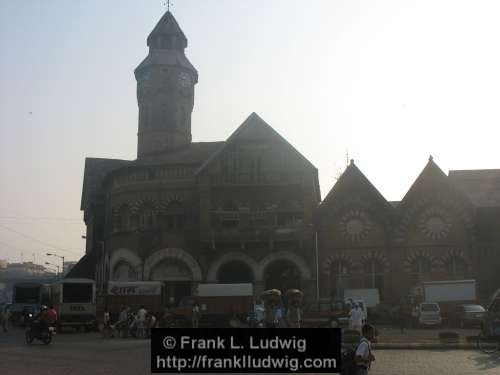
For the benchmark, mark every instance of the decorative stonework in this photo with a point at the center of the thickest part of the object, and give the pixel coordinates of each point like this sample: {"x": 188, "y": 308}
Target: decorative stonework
{"x": 328, "y": 263}
{"x": 435, "y": 223}
{"x": 376, "y": 256}
{"x": 173, "y": 253}
{"x": 230, "y": 257}
{"x": 125, "y": 256}
{"x": 285, "y": 255}
{"x": 355, "y": 225}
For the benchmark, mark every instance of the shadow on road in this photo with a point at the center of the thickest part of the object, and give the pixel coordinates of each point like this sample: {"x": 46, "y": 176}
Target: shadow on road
{"x": 487, "y": 361}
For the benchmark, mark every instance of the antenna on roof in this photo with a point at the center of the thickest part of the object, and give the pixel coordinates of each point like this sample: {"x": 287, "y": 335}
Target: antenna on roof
{"x": 346, "y": 157}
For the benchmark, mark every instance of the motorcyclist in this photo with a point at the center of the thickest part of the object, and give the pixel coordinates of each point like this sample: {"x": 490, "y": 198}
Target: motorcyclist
{"x": 40, "y": 321}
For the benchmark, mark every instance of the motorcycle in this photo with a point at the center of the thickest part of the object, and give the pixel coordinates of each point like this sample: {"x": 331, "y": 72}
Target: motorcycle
{"x": 35, "y": 330}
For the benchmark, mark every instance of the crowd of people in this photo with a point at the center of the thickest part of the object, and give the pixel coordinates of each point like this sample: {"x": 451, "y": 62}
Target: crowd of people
{"x": 131, "y": 323}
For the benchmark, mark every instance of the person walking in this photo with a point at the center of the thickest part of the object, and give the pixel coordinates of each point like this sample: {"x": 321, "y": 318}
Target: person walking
{"x": 356, "y": 318}
{"x": 141, "y": 322}
{"x": 195, "y": 315}
{"x": 363, "y": 355}
{"x": 5, "y": 317}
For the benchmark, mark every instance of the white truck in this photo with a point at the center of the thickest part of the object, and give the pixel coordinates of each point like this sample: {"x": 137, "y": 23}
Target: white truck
{"x": 447, "y": 294}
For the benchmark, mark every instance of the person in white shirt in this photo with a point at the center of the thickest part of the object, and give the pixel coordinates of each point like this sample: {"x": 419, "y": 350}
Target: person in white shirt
{"x": 141, "y": 322}
{"x": 356, "y": 318}
{"x": 363, "y": 355}
{"x": 259, "y": 312}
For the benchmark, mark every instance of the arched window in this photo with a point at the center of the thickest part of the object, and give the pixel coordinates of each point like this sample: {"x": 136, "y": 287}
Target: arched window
{"x": 455, "y": 267}
{"x": 147, "y": 217}
{"x": 173, "y": 220}
{"x": 421, "y": 268}
{"x": 340, "y": 275}
{"x": 374, "y": 275}
{"x": 123, "y": 271}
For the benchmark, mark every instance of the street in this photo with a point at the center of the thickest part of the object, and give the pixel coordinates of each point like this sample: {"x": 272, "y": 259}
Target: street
{"x": 77, "y": 353}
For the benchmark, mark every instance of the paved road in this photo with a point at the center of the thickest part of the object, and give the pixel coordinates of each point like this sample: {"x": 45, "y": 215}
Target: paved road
{"x": 74, "y": 354}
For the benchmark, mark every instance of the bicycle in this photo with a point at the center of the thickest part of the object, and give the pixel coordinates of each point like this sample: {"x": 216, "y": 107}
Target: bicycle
{"x": 488, "y": 344}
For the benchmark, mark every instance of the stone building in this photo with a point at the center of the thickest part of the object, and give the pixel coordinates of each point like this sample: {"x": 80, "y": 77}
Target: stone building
{"x": 185, "y": 212}
{"x": 444, "y": 228}
{"x": 248, "y": 209}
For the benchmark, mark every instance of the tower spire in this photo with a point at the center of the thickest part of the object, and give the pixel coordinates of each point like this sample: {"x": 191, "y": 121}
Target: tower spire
{"x": 165, "y": 90}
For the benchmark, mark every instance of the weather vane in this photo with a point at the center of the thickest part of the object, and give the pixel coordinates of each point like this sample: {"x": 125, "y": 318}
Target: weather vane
{"x": 167, "y": 3}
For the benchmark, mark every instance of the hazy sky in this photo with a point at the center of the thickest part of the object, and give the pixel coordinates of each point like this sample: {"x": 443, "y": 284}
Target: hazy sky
{"x": 391, "y": 82}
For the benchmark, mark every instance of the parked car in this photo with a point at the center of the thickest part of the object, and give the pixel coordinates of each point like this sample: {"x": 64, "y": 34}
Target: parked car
{"x": 468, "y": 315}
{"x": 429, "y": 314}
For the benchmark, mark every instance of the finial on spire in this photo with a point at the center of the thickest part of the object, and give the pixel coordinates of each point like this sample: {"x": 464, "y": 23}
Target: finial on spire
{"x": 431, "y": 158}
{"x": 167, "y": 3}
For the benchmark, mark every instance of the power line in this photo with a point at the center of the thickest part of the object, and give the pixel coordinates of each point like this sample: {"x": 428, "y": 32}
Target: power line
{"x": 44, "y": 218}
{"x": 37, "y": 240}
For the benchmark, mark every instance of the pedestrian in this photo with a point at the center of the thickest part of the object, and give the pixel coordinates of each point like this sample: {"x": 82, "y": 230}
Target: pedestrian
{"x": 260, "y": 313}
{"x": 356, "y": 318}
{"x": 363, "y": 355}
{"x": 278, "y": 316}
{"x": 122, "y": 324}
{"x": 4, "y": 318}
{"x": 195, "y": 316}
{"x": 141, "y": 322}
{"x": 403, "y": 317}
{"x": 166, "y": 320}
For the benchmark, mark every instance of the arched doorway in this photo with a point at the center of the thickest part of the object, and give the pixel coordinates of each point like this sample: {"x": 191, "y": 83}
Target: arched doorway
{"x": 177, "y": 277}
{"x": 123, "y": 271}
{"x": 235, "y": 272}
{"x": 282, "y": 274}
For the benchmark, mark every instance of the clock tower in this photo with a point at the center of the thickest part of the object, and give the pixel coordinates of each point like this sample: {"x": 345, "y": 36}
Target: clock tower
{"x": 165, "y": 91}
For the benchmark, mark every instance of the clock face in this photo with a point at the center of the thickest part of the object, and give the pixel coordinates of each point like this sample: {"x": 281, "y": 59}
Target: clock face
{"x": 184, "y": 79}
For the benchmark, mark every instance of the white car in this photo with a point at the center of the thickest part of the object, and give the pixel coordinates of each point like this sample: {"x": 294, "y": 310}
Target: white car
{"x": 429, "y": 314}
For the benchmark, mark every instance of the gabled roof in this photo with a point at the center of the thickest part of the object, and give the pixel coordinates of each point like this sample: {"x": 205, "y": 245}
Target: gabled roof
{"x": 254, "y": 128}
{"x": 429, "y": 180}
{"x": 352, "y": 179}
{"x": 85, "y": 267}
{"x": 167, "y": 25}
{"x": 94, "y": 173}
{"x": 481, "y": 186}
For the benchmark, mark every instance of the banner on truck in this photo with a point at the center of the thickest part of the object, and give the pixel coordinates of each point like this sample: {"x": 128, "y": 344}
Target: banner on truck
{"x": 134, "y": 288}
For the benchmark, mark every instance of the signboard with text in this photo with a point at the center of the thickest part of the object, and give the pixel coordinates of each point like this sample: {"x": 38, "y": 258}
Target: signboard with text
{"x": 134, "y": 288}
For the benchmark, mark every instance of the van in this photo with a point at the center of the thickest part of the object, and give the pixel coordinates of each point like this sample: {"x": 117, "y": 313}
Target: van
{"x": 429, "y": 314}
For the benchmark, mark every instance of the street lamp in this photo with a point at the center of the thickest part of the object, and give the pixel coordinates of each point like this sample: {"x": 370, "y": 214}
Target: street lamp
{"x": 53, "y": 265}
{"x": 59, "y": 256}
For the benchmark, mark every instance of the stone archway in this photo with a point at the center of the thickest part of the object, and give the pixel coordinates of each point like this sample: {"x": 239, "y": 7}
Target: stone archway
{"x": 284, "y": 270}
{"x": 238, "y": 259}
{"x": 179, "y": 255}
{"x": 178, "y": 271}
{"x": 125, "y": 257}
{"x": 284, "y": 255}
